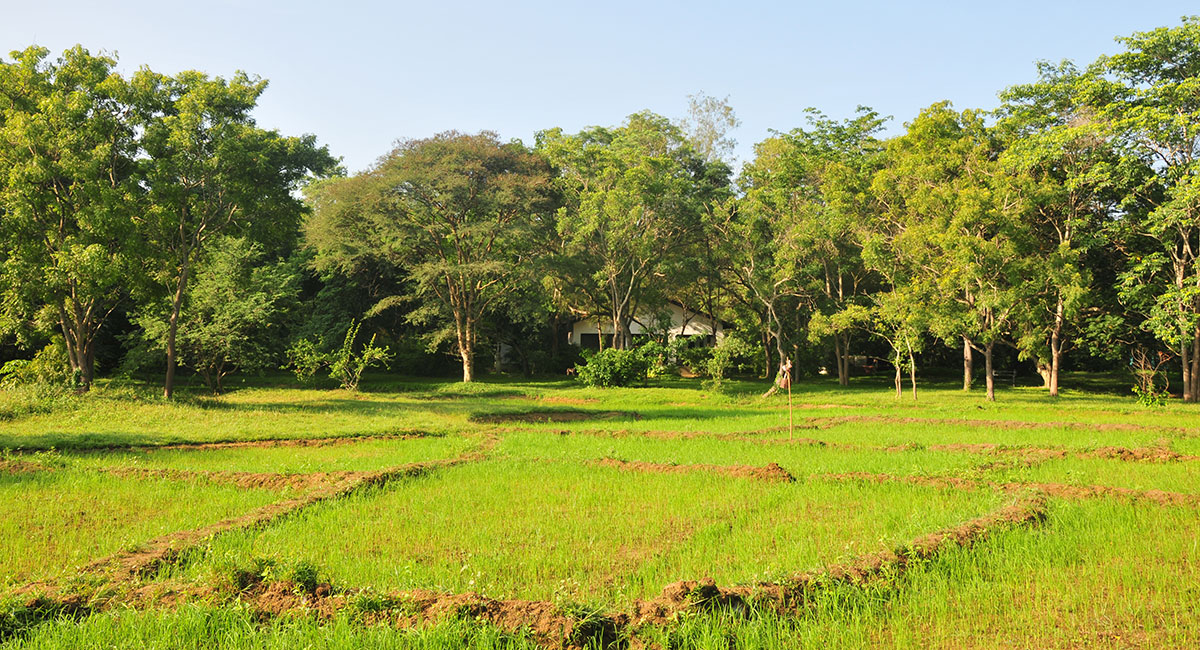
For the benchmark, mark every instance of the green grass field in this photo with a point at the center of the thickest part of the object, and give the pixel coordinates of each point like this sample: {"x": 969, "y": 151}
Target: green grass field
{"x": 424, "y": 514}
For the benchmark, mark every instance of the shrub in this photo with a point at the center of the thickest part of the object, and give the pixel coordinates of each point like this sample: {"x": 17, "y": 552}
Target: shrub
{"x": 695, "y": 359}
{"x": 612, "y": 367}
{"x": 657, "y": 358}
{"x": 725, "y": 357}
{"x": 49, "y": 368}
{"x": 345, "y": 365}
{"x": 348, "y": 367}
{"x": 305, "y": 359}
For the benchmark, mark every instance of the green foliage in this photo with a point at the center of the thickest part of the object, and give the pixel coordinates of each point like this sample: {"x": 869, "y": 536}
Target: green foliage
{"x": 232, "y": 316}
{"x": 48, "y": 368}
{"x": 634, "y": 199}
{"x": 683, "y": 353}
{"x": 658, "y": 359}
{"x": 730, "y": 353}
{"x": 305, "y": 358}
{"x": 1150, "y": 396}
{"x": 69, "y": 197}
{"x": 612, "y": 367}
{"x": 348, "y": 366}
{"x": 462, "y": 250}
{"x": 305, "y": 575}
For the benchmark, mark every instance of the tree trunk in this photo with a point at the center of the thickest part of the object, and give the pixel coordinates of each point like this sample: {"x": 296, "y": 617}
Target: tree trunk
{"x": 1056, "y": 346}
{"x": 81, "y": 352}
{"x": 899, "y": 379}
{"x": 173, "y": 326}
{"x": 912, "y": 373}
{"x": 968, "y": 364}
{"x": 1195, "y": 365}
{"x": 991, "y": 377}
{"x": 766, "y": 341}
{"x": 554, "y": 342}
{"x": 1184, "y": 362}
{"x": 626, "y": 336}
{"x": 1043, "y": 370}
{"x": 841, "y": 353}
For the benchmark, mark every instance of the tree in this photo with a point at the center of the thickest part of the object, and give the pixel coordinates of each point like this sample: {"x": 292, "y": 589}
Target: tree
{"x": 952, "y": 222}
{"x": 1059, "y": 158}
{"x": 211, "y": 171}
{"x": 819, "y": 182}
{"x": 708, "y": 124}
{"x": 232, "y": 317}
{"x": 68, "y": 191}
{"x": 1155, "y": 115}
{"x": 633, "y": 197}
{"x": 453, "y": 211}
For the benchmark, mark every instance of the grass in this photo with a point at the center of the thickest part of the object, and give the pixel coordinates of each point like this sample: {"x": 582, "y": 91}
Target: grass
{"x": 563, "y": 531}
{"x": 203, "y": 628}
{"x": 539, "y": 519}
{"x": 53, "y": 522}
{"x": 360, "y": 455}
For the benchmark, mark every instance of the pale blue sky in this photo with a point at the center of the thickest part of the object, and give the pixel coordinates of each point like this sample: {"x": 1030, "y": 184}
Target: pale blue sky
{"x": 361, "y": 74}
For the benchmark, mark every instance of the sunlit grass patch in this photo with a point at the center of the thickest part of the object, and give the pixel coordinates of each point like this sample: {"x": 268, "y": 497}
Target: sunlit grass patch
{"x": 52, "y": 523}
{"x": 537, "y": 530}
{"x": 358, "y": 455}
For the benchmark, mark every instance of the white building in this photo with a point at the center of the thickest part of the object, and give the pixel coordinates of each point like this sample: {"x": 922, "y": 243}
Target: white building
{"x": 683, "y": 323}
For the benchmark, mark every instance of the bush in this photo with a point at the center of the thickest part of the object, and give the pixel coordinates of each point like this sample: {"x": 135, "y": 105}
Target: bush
{"x": 612, "y": 367}
{"x": 657, "y": 358}
{"x": 48, "y": 368}
{"x": 348, "y": 367}
{"x": 695, "y": 359}
{"x": 345, "y": 365}
{"x": 724, "y": 358}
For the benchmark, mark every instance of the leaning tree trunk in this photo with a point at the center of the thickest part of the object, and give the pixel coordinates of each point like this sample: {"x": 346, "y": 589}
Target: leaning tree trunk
{"x": 968, "y": 364}
{"x": 991, "y": 377}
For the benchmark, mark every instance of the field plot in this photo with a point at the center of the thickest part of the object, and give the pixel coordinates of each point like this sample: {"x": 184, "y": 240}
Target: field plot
{"x": 542, "y": 515}
{"x": 54, "y": 520}
{"x": 544, "y": 531}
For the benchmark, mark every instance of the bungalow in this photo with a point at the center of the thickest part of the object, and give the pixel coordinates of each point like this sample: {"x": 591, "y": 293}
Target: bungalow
{"x": 684, "y": 323}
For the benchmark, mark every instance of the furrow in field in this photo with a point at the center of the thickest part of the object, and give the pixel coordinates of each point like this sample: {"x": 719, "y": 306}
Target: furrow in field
{"x": 18, "y": 466}
{"x": 264, "y": 480}
{"x": 827, "y": 422}
{"x": 771, "y": 472}
{"x": 1067, "y": 491}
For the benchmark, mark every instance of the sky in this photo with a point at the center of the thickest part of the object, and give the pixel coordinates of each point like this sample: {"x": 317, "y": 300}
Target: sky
{"x": 360, "y": 75}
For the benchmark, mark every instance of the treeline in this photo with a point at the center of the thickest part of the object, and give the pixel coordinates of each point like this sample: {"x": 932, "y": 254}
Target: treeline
{"x": 150, "y": 221}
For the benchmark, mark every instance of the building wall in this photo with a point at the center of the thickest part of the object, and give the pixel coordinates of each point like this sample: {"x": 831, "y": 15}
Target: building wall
{"x": 696, "y": 325}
